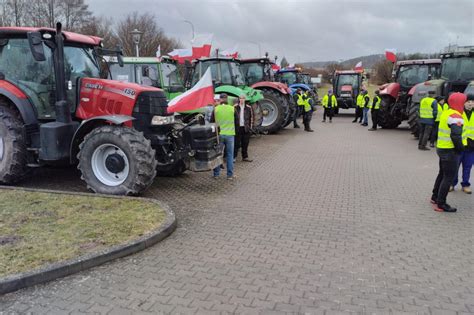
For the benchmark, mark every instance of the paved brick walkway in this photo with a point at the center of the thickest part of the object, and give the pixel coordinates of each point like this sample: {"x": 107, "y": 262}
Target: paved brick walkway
{"x": 336, "y": 221}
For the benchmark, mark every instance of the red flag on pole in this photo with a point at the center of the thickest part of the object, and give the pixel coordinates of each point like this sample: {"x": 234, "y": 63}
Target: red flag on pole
{"x": 231, "y": 52}
{"x": 181, "y": 55}
{"x": 391, "y": 55}
{"x": 358, "y": 66}
{"x": 200, "y": 95}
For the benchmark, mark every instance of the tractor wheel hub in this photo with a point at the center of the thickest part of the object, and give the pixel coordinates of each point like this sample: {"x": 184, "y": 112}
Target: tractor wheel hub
{"x": 115, "y": 163}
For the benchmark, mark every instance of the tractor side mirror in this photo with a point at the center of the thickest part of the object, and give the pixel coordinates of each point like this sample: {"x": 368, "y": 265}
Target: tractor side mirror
{"x": 36, "y": 46}
{"x": 119, "y": 56}
{"x": 430, "y": 77}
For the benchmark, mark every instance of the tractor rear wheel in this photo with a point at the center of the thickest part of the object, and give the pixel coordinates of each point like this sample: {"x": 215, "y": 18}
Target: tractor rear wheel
{"x": 413, "y": 117}
{"x": 292, "y": 110}
{"x": 385, "y": 119}
{"x": 13, "y": 154}
{"x": 117, "y": 160}
{"x": 274, "y": 107}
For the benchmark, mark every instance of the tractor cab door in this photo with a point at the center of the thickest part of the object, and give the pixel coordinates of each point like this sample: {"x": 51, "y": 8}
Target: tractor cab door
{"x": 34, "y": 78}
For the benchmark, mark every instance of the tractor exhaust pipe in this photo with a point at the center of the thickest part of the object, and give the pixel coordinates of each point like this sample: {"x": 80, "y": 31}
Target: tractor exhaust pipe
{"x": 63, "y": 113}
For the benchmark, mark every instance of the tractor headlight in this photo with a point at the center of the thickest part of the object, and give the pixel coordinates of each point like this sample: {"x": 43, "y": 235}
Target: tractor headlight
{"x": 162, "y": 120}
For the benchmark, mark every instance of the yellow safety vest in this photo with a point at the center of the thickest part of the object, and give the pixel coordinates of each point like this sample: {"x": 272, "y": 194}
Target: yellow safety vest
{"x": 440, "y": 111}
{"x": 444, "y": 132}
{"x": 325, "y": 100}
{"x": 377, "y": 102}
{"x": 467, "y": 128}
{"x": 224, "y": 115}
{"x": 361, "y": 100}
{"x": 306, "y": 103}
{"x": 300, "y": 101}
{"x": 426, "y": 109}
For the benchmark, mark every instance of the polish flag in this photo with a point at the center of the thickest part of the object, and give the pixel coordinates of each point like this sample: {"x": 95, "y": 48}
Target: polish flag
{"x": 232, "y": 52}
{"x": 202, "y": 45}
{"x": 200, "y": 95}
{"x": 391, "y": 55}
{"x": 275, "y": 67}
{"x": 181, "y": 55}
{"x": 358, "y": 66}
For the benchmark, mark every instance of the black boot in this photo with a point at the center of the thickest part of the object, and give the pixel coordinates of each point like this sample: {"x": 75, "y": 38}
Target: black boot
{"x": 295, "y": 125}
{"x": 444, "y": 208}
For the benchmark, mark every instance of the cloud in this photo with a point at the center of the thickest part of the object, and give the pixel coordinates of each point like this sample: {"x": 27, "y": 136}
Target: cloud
{"x": 305, "y": 30}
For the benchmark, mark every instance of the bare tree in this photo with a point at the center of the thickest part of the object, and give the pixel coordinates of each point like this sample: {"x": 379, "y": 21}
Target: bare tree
{"x": 383, "y": 71}
{"x": 75, "y": 14}
{"x": 102, "y": 27}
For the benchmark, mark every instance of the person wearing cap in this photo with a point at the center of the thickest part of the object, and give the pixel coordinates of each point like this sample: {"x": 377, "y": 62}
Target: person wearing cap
{"x": 298, "y": 98}
{"x": 224, "y": 116}
{"x": 365, "y": 109}
{"x": 243, "y": 128}
{"x": 307, "y": 111}
{"x": 374, "y": 110}
{"x": 329, "y": 102}
{"x": 427, "y": 114}
{"x": 441, "y": 106}
{"x": 448, "y": 147}
{"x": 467, "y": 156}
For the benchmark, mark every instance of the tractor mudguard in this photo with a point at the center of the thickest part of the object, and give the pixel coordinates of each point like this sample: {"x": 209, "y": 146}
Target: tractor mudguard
{"x": 234, "y": 91}
{"x": 391, "y": 89}
{"x": 89, "y": 124}
{"x": 20, "y": 101}
{"x": 280, "y": 87}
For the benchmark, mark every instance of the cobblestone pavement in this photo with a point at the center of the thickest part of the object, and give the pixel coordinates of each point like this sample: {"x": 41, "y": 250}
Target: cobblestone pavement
{"x": 329, "y": 222}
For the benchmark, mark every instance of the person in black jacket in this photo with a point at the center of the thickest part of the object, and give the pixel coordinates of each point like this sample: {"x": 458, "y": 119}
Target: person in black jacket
{"x": 243, "y": 127}
{"x": 449, "y": 147}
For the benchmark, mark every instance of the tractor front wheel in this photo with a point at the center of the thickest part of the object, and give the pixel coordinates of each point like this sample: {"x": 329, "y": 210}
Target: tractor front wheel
{"x": 413, "y": 117}
{"x": 13, "y": 154}
{"x": 274, "y": 108}
{"x": 385, "y": 118}
{"x": 117, "y": 160}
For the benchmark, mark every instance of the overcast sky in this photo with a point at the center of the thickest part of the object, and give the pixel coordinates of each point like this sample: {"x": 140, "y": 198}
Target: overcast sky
{"x": 305, "y": 30}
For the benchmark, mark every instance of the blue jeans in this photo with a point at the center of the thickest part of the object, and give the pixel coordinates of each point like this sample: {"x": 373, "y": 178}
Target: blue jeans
{"x": 228, "y": 142}
{"x": 466, "y": 159}
{"x": 365, "y": 115}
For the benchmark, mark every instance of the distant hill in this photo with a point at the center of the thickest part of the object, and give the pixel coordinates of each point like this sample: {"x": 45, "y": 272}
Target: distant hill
{"x": 367, "y": 62}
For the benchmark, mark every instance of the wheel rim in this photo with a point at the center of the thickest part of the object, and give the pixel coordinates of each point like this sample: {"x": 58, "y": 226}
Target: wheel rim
{"x": 1, "y": 148}
{"x": 269, "y": 112}
{"x": 110, "y": 165}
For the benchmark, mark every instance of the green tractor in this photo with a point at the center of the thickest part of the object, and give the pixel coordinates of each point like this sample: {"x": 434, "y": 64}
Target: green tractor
{"x": 158, "y": 72}
{"x": 227, "y": 78}
{"x": 457, "y": 75}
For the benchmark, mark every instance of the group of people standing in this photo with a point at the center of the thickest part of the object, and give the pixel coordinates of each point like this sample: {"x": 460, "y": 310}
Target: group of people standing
{"x": 235, "y": 128}
{"x": 364, "y": 105}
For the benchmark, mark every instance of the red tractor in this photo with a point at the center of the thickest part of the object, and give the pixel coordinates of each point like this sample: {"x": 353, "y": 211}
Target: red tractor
{"x": 396, "y": 96}
{"x": 56, "y": 109}
{"x": 346, "y": 86}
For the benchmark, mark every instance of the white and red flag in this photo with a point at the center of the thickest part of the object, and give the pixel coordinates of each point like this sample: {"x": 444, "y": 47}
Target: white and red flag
{"x": 391, "y": 55}
{"x": 275, "y": 67}
{"x": 202, "y": 45}
{"x": 200, "y": 95}
{"x": 358, "y": 66}
{"x": 181, "y": 55}
{"x": 231, "y": 52}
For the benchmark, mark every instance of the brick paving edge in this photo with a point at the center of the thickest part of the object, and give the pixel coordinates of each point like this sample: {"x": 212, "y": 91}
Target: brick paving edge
{"x": 58, "y": 270}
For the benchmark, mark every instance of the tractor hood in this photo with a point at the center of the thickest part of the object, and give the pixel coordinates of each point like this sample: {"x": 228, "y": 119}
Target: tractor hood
{"x": 346, "y": 88}
{"x": 421, "y": 90}
{"x": 108, "y": 97}
{"x": 251, "y": 94}
{"x": 279, "y": 86}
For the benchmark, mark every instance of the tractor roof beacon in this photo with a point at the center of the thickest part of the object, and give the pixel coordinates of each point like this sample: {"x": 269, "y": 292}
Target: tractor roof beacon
{"x": 55, "y": 108}
{"x": 396, "y": 96}
{"x": 278, "y": 107}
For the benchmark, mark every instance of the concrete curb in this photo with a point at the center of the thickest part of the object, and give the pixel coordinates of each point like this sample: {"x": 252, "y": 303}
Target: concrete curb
{"x": 68, "y": 267}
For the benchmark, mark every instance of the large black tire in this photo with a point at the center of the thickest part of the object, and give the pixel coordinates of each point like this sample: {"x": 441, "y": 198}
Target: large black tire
{"x": 13, "y": 153}
{"x": 274, "y": 108}
{"x": 171, "y": 170}
{"x": 413, "y": 116}
{"x": 117, "y": 160}
{"x": 385, "y": 119}
{"x": 292, "y": 110}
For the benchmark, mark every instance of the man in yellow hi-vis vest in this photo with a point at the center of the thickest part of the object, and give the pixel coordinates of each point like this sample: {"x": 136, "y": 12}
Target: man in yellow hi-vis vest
{"x": 428, "y": 111}
{"x": 224, "y": 116}
{"x": 441, "y": 106}
{"x": 329, "y": 103}
{"x": 449, "y": 147}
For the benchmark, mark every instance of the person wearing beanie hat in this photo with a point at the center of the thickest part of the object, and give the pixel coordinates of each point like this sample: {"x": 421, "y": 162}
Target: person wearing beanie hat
{"x": 441, "y": 107}
{"x": 449, "y": 146}
{"x": 467, "y": 156}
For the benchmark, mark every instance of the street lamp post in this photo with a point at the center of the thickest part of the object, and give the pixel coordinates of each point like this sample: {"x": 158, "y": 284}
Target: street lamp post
{"x": 192, "y": 26}
{"x": 136, "y": 36}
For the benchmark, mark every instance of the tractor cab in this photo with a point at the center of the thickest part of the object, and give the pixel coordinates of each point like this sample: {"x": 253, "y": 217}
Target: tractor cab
{"x": 257, "y": 70}
{"x": 150, "y": 71}
{"x": 457, "y": 69}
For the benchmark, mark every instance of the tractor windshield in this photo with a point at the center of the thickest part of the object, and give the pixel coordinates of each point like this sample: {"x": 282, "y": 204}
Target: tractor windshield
{"x": 170, "y": 75}
{"x": 253, "y": 72}
{"x": 288, "y": 77}
{"x": 237, "y": 73}
{"x": 458, "y": 69}
{"x": 123, "y": 74}
{"x": 80, "y": 62}
{"x": 348, "y": 79}
{"x": 410, "y": 75}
